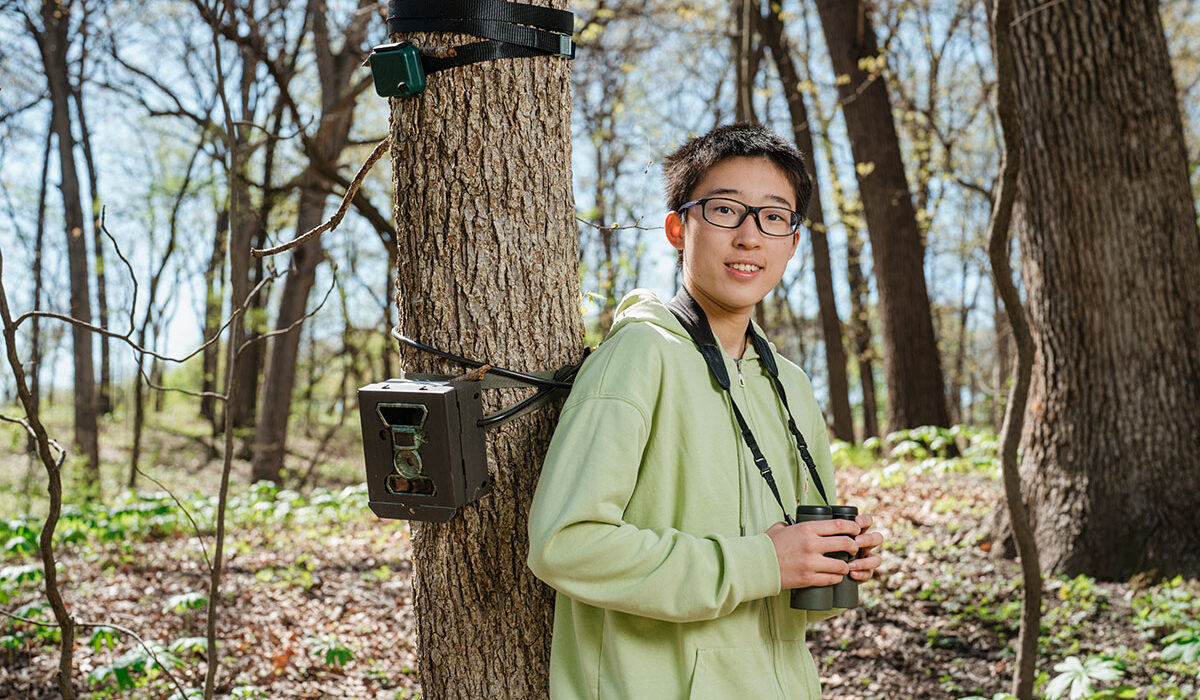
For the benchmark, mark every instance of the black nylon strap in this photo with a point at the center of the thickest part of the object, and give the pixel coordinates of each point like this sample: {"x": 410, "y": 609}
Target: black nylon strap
{"x": 518, "y": 35}
{"x": 694, "y": 321}
{"x": 512, "y": 29}
{"x": 547, "y": 18}
{"x": 764, "y": 351}
{"x": 475, "y": 53}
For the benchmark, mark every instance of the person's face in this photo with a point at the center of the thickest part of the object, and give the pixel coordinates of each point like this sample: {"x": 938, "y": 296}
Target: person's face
{"x": 728, "y": 271}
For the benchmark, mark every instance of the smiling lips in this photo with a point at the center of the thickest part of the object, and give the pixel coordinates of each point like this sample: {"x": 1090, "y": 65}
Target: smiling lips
{"x": 744, "y": 268}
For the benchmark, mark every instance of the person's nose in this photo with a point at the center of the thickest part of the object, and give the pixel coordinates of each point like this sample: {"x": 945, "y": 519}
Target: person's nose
{"x": 748, "y": 234}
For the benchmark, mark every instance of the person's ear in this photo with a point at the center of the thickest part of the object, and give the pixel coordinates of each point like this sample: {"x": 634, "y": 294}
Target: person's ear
{"x": 673, "y": 227}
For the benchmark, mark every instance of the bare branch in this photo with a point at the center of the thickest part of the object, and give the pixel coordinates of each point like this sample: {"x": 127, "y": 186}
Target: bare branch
{"x": 62, "y": 453}
{"x": 333, "y": 222}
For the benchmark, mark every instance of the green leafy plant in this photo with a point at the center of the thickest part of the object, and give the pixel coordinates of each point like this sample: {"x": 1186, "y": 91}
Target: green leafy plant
{"x": 1076, "y": 679}
{"x": 22, "y": 574}
{"x": 1183, "y": 646}
{"x": 104, "y": 637}
{"x": 185, "y": 601}
{"x": 331, "y": 649}
{"x": 142, "y": 661}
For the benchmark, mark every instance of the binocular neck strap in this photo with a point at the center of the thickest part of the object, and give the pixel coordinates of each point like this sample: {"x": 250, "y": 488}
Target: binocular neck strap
{"x": 693, "y": 319}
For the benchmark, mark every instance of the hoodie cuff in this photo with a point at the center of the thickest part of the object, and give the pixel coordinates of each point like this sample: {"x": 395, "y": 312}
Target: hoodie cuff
{"x": 754, "y": 562}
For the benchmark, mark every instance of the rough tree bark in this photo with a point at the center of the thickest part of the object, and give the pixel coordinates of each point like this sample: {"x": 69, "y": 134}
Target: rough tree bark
{"x": 831, "y": 323}
{"x": 1111, "y": 257}
{"x": 911, "y": 361}
{"x": 487, "y": 267}
{"x": 53, "y": 42}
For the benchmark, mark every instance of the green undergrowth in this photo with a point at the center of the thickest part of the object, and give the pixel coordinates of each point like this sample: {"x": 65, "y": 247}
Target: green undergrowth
{"x": 925, "y": 450}
{"x": 122, "y": 526}
{"x": 155, "y": 515}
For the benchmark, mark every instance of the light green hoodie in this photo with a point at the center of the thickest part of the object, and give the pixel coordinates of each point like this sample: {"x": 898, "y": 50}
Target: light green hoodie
{"x": 649, "y": 521}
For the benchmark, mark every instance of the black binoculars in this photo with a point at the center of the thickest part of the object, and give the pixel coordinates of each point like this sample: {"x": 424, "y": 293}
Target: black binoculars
{"x": 843, "y": 594}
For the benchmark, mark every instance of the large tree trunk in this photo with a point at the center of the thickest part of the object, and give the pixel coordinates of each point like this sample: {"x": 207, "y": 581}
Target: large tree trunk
{"x": 487, "y": 267}
{"x": 916, "y": 390}
{"x": 1112, "y": 267}
{"x": 831, "y": 323}
{"x": 52, "y": 42}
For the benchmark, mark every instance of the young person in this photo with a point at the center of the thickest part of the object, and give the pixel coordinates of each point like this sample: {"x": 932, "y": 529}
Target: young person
{"x": 651, "y": 520}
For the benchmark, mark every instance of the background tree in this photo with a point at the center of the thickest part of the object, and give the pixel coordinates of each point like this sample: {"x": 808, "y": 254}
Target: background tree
{"x": 831, "y": 325}
{"x": 53, "y": 40}
{"x": 340, "y": 85}
{"x": 1111, "y": 263}
{"x": 916, "y": 390}
{"x": 483, "y": 201}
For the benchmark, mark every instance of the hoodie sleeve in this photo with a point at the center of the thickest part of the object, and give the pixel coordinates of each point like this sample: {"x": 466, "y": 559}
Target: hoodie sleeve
{"x": 581, "y": 544}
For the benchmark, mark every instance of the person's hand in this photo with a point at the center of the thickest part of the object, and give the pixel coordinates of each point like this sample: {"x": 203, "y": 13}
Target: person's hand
{"x": 863, "y": 567}
{"x": 801, "y": 550}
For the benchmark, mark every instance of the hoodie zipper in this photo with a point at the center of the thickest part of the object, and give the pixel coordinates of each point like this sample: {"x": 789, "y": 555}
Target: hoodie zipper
{"x": 741, "y": 379}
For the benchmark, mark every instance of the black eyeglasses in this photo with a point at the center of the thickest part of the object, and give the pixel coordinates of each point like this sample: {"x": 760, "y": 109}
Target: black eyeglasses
{"x": 730, "y": 213}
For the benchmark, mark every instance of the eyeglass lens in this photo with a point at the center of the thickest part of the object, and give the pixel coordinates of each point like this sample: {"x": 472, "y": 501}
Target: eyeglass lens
{"x": 729, "y": 213}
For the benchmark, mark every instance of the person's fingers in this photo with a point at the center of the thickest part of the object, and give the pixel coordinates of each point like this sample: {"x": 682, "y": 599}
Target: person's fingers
{"x": 861, "y": 576}
{"x": 864, "y": 520}
{"x": 838, "y": 544}
{"x": 827, "y": 528}
{"x": 867, "y": 563}
{"x": 869, "y": 540}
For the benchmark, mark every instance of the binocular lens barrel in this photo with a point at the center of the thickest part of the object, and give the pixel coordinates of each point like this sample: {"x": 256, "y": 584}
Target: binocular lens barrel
{"x": 844, "y": 594}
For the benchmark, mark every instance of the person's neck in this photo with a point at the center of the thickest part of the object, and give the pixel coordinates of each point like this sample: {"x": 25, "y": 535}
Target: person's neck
{"x": 729, "y": 327}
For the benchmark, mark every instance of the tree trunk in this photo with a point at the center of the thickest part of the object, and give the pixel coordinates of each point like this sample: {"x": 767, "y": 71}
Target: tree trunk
{"x": 486, "y": 208}
{"x": 336, "y": 73}
{"x": 214, "y": 294}
{"x": 35, "y": 330}
{"x": 916, "y": 390}
{"x": 104, "y": 393}
{"x": 52, "y": 42}
{"x": 242, "y": 229}
{"x": 1000, "y": 372}
{"x": 831, "y": 323}
{"x": 271, "y": 435}
{"x": 745, "y": 61}
{"x": 1111, "y": 263}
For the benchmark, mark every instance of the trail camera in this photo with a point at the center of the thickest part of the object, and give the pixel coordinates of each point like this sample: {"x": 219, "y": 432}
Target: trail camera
{"x": 424, "y": 447}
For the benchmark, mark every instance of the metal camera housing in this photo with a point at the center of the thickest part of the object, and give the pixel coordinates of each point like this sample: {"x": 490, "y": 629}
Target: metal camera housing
{"x": 425, "y": 452}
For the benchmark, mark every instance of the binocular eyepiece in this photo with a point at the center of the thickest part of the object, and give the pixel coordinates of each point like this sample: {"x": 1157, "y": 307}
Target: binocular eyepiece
{"x": 843, "y": 594}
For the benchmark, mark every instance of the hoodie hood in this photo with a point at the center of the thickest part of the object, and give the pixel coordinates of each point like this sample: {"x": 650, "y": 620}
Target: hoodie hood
{"x": 644, "y": 306}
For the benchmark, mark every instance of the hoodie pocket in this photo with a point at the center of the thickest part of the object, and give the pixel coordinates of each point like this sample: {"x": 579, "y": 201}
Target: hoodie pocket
{"x": 739, "y": 672}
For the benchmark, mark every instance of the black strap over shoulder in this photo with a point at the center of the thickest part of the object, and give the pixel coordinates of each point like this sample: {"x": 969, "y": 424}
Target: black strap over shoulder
{"x": 693, "y": 319}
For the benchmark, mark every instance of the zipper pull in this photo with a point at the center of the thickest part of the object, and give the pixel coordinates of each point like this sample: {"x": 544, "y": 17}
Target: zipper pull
{"x": 741, "y": 379}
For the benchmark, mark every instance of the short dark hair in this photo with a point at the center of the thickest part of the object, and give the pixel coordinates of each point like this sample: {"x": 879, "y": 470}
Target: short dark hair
{"x": 686, "y": 167}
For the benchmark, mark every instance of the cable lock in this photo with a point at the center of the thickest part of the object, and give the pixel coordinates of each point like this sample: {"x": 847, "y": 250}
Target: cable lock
{"x": 508, "y": 30}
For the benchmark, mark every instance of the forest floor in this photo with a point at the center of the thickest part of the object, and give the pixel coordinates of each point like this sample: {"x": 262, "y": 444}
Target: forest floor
{"x": 317, "y": 600}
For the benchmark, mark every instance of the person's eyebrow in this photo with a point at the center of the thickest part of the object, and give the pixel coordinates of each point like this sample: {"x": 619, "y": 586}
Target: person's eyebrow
{"x": 726, "y": 190}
